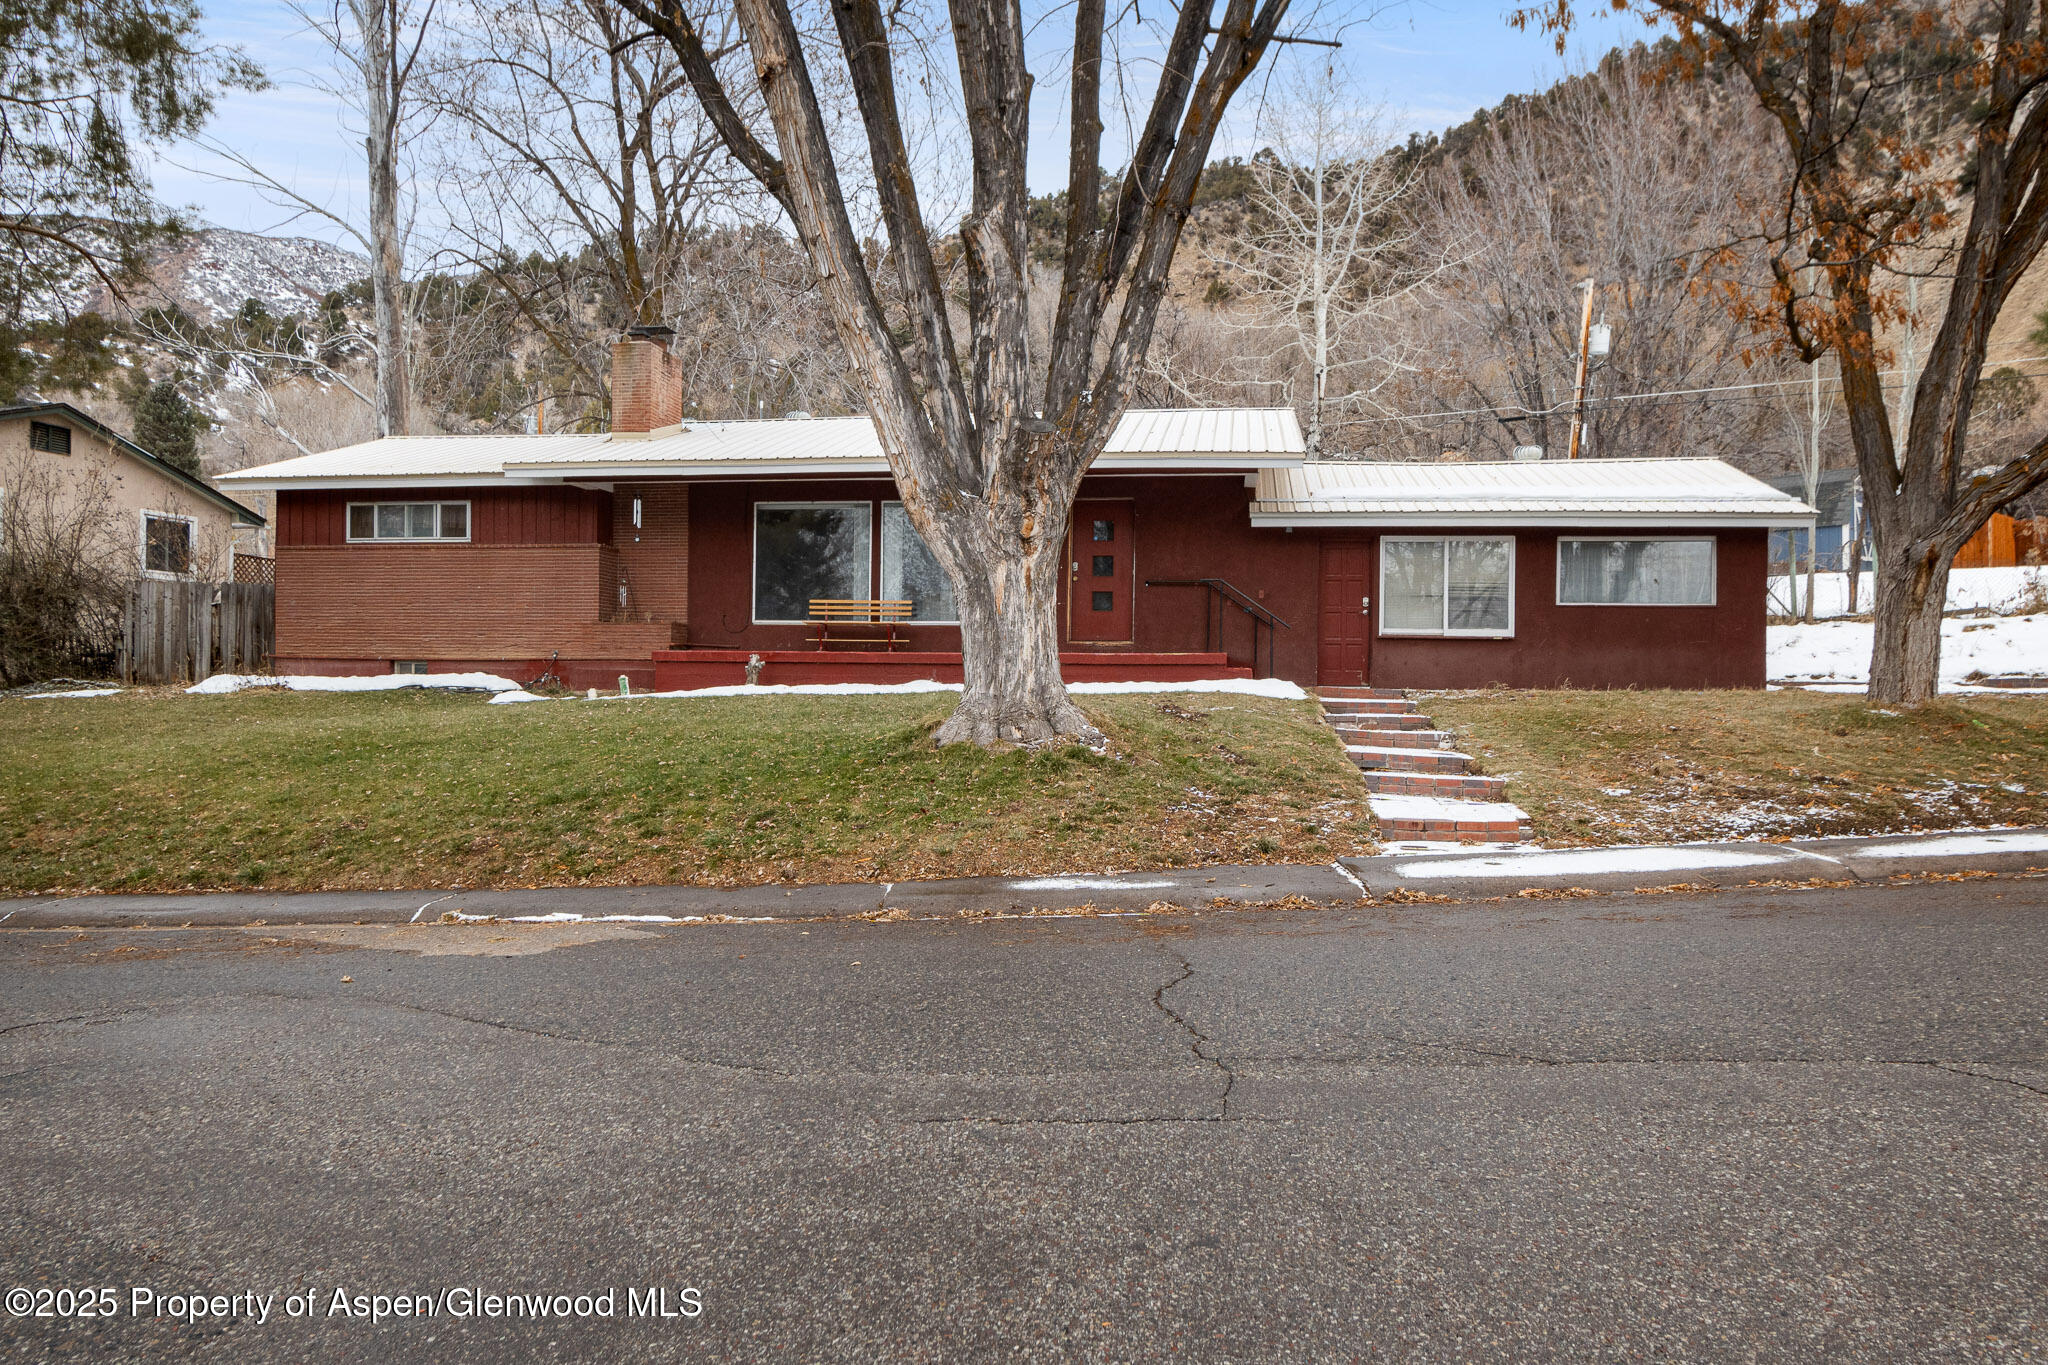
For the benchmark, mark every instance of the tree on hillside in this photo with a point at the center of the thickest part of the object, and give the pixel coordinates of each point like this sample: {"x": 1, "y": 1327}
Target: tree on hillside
{"x": 1329, "y": 251}
{"x": 85, "y": 85}
{"x": 987, "y": 445}
{"x": 1898, "y": 125}
{"x": 167, "y": 426}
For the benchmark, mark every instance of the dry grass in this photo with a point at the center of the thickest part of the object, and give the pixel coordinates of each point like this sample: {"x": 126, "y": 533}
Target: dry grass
{"x": 415, "y": 789}
{"x": 1636, "y": 767}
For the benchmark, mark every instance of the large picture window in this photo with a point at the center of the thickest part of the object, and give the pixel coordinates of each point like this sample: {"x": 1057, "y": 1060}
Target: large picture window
{"x": 1636, "y": 573}
{"x": 807, "y": 550}
{"x": 408, "y": 521}
{"x": 1450, "y": 586}
{"x": 910, "y": 573}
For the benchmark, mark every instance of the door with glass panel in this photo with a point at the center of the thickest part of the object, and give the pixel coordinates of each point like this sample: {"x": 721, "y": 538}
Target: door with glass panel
{"x": 1102, "y": 572}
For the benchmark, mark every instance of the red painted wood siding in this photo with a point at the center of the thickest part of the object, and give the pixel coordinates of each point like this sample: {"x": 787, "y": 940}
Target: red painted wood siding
{"x": 497, "y": 516}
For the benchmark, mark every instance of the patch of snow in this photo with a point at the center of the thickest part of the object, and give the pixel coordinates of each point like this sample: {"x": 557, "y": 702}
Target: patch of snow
{"x": 80, "y": 692}
{"x": 1836, "y": 654}
{"x": 1616, "y": 791}
{"x": 210, "y": 272}
{"x": 518, "y": 694}
{"x": 1088, "y": 884}
{"x": 1964, "y": 845}
{"x": 1279, "y": 689}
{"x": 221, "y": 683}
{"x": 2002, "y": 590}
{"x": 1443, "y": 808}
{"x": 1584, "y": 862}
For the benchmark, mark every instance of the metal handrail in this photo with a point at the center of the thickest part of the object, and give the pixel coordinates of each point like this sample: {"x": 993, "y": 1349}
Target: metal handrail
{"x": 1220, "y": 591}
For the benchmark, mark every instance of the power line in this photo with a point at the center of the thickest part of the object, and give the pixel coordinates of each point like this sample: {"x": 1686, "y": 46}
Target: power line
{"x": 1559, "y": 408}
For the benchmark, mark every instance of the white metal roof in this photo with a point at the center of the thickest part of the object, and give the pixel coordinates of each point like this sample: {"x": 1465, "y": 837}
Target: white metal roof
{"x": 1214, "y": 438}
{"x": 1522, "y": 493}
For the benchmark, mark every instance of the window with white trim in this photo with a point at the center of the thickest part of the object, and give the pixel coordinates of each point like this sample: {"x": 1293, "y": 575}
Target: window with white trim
{"x": 909, "y": 573}
{"x": 408, "y": 521}
{"x": 1461, "y": 585}
{"x": 806, "y": 551}
{"x": 1636, "y": 571}
{"x": 167, "y": 543}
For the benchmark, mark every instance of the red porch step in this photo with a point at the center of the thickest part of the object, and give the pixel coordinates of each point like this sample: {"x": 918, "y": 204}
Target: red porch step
{"x": 1452, "y": 786}
{"x": 1342, "y": 707}
{"x": 1409, "y": 760}
{"x": 1394, "y": 739}
{"x": 1364, "y": 693}
{"x": 1367, "y": 720}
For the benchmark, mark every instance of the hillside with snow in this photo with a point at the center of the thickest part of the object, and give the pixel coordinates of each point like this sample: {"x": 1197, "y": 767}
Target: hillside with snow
{"x": 211, "y": 271}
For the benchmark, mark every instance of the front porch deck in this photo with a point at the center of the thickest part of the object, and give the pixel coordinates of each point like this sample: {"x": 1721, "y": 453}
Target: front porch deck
{"x": 678, "y": 670}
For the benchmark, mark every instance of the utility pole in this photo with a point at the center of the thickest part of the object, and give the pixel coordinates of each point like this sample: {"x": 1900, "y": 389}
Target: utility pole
{"x": 1579, "y": 391}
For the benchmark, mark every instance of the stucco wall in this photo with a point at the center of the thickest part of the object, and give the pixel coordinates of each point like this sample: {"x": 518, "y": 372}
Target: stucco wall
{"x": 99, "y": 480}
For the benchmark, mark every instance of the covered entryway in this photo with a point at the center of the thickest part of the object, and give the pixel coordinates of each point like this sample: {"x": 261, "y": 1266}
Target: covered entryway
{"x": 1102, "y": 563}
{"x": 1344, "y": 618}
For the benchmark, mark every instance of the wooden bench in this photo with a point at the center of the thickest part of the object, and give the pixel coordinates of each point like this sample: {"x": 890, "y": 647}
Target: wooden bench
{"x": 828, "y": 613}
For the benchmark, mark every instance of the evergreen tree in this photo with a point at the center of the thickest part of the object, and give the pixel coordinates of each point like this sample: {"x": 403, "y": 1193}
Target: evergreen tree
{"x": 168, "y": 427}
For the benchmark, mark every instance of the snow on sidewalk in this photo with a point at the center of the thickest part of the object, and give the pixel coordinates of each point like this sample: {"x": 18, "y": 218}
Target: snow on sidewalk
{"x": 1839, "y": 651}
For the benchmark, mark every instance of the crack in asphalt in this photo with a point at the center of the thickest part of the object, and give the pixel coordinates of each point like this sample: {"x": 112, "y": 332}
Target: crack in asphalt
{"x": 1958, "y": 1070}
{"x": 1200, "y": 1039}
{"x": 89, "y": 1020}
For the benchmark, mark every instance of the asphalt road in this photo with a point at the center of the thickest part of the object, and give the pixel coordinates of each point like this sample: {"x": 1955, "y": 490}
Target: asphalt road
{"x": 1785, "y": 1125}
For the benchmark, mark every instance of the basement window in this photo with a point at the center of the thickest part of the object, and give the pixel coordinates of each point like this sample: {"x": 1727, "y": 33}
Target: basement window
{"x": 810, "y": 551}
{"x": 47, "y": 437}
{"x": 1450, "y": 586}
{"x": 409, "y": 666}
{"x": 408, "y": 521}
{"x": 1636, "y": 571}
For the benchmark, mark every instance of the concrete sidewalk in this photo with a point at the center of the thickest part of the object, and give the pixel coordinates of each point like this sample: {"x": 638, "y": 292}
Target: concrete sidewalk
{"x": 1461, "y": 875}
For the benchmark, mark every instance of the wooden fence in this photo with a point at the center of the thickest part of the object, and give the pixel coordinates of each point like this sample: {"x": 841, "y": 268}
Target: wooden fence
{"x": 178, "y": 630}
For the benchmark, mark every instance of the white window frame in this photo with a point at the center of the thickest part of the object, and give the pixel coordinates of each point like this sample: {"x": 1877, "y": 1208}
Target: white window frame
{"x": 754, "y": 549}
{"x": 1713, "y": 574}
{"x": 1447, "y": 633}
{"x": 881, "y": 523}
{"x": 468, "y": 522}
{"x": 142, "y": 519}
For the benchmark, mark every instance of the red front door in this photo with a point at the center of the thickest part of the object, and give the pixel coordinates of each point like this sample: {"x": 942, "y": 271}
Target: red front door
{"x": 1344, "y": 622}
{"x": 1103, "y": 571}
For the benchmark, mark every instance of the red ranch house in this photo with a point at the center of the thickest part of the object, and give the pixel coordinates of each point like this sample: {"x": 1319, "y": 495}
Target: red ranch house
{"x": 1203, "y": 545}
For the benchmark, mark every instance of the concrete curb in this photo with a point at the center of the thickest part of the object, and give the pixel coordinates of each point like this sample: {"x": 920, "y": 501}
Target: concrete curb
{"x": 1129, "y": 891}
{"x": 1461, "y": 875}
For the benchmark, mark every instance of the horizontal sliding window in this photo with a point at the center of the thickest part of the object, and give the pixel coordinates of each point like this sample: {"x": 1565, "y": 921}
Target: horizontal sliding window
{"x": 810, "y": 551}
{"x": 909, "y": 573}
{"x": 1636, "y": 572}
{"x": 408, "y": 521}
{"x": 1450, "y": 586}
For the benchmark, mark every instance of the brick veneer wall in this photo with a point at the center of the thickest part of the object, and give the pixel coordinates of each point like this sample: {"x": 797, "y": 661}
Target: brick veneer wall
{"x": 654, "y": 558}
{"x": 438, "y": 601}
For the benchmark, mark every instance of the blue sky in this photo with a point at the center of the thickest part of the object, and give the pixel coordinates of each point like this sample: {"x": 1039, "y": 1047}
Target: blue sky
{"x": 1431, "y": 64}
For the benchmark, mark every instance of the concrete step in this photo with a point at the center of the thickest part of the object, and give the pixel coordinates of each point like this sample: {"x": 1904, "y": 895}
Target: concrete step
{"x": 1406, "y": 720}
{"x": 1408, "y": 760}
{"x": 1463, "y": 786}
{"x": 1394, "y": 739}
{"x": 1438, "y": 820}
{"x": 1367, "y": 706}
{"x": 1377, "y": 693}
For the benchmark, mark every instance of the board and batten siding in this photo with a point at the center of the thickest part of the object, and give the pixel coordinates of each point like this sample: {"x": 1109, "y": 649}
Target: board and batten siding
{"x": 497, "y": 516}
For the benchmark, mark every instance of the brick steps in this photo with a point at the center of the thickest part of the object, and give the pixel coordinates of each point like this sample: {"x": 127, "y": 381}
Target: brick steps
{"x": 1421, "y": 789}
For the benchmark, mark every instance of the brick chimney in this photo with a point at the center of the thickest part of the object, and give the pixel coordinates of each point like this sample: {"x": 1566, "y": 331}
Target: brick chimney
{"x": 647, "y": 385}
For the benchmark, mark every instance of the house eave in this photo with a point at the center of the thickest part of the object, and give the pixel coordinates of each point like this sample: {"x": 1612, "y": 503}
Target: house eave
{"x": 1640, "y": 518}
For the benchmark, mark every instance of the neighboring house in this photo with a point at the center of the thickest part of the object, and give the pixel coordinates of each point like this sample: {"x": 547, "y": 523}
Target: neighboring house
{"x": 1839, "y": 500}
{"x": 2001, "y": 542}
{"x": 57, "y": 465}
{"x": 671, "y": 551}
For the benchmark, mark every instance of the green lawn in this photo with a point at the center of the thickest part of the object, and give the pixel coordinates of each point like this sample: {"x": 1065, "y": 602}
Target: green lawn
{"x": 1635, "y": 767}
{"x": 160, "y": 791}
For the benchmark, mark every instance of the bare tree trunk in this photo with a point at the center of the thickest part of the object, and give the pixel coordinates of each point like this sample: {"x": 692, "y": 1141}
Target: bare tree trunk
{"x": 1912, "y": 590}
{"x": 387, "y": 259}
{"x": 1009, "y": 635}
